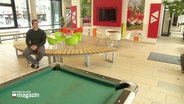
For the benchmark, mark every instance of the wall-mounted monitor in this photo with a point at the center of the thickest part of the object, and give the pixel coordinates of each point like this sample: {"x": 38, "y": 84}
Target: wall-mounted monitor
{"x": 107, "y": 14}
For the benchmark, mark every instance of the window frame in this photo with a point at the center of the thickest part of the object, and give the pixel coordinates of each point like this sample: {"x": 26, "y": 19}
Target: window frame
{"x": 12, "y": 5}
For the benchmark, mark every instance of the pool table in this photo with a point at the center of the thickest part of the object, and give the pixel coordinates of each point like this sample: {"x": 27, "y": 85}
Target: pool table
{"x": 65, "y": 84}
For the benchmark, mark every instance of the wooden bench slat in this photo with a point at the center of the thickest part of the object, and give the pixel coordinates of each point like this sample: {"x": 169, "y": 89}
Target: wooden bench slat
{"x": 77, "y": 51}
{"x": 60, "y": 52}
{"x": 57, "y": 52}
{"x": 84, "y": 51}
{"x": 81, "y": 52}
{"x": 99, "y": 50}
{"x": 73, "y": 52}
{"x": 93, "y": 51}
{"x": 48, "y": 52}
{"x": 104, "y": 49}
{"x": 51, "y": 51}
{"x": 69, "y": 52}
{"x": 89, "y": 51}
{"x": 64, "y": 52}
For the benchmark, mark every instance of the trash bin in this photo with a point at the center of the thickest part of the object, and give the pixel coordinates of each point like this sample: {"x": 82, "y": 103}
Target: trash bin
{"x": 182, "y": 62}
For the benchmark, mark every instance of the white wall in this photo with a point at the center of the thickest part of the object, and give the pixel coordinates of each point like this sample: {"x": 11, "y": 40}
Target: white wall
{"x": 124, "y": 16}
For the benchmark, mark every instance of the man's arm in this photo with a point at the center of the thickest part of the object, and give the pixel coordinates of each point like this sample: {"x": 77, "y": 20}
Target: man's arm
{"x": 43, "y": 39}
{"x": 28, "y": 39}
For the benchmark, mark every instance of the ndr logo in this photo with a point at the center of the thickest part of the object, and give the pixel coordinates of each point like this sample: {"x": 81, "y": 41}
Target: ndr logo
{"x": 154, "y": 17}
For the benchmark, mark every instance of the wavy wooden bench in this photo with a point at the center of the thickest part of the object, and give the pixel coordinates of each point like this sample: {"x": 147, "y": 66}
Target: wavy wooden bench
{"x": 87, "y": 52}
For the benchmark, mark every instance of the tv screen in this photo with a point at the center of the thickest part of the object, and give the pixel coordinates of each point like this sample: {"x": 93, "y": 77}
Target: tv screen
{"x": 107, "y": 14}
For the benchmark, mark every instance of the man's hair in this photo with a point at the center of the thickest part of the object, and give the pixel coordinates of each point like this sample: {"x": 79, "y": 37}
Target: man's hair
{"x": 34, "y": 20}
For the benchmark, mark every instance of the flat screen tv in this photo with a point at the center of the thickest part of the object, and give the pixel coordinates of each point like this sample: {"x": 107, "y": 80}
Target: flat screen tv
{"x": 107, "y": 14}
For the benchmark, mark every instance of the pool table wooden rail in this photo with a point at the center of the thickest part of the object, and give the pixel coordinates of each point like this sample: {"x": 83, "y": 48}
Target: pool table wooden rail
{"x": 60, "y": 53}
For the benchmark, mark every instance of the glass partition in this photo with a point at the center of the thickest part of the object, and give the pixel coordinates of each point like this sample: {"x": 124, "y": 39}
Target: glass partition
{"x": 43, "y": 9}
{"x": 6, "y": 17}
{"x": 22, "y": 13}
{"x": 56, "y": 14}
{"x": 16, "y": 13}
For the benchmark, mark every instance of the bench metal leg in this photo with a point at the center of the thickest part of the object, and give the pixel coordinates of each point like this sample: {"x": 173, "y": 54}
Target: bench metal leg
{"x": 15, "y": 37}
{"x": 61, "y": 59}
{"x": 58, "y": 58}
{"x": 106, "y": 56}
{"x": 49, "y": 59}
{"x": 113, "y": 57}
{"x": 87, "y": 60}
{"x": 17, "y": 53}
{"x": 0, "y": 40}
{"x": 54, "y": 58}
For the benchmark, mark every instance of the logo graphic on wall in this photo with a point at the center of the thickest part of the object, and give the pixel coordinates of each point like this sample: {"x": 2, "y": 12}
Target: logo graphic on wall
{"x": 74, "y": 17}
{"x": 154, "y": 17}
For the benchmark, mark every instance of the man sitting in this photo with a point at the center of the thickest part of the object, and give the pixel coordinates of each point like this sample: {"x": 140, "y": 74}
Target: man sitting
{"x": 35, "y": 40}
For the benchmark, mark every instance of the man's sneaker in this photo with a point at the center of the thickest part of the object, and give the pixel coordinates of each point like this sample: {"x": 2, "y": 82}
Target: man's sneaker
{"x": 182, "y": 71}
{"x": 36, "y": 66}
{"x": 32, "y": 65}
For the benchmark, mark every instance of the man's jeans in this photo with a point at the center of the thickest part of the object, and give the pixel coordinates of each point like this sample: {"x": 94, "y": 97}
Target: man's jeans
{"x": 40, "y": 52}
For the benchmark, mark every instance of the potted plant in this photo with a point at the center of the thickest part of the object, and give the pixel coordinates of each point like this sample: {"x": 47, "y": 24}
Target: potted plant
{"x": 175, "y": 7}
{"x": 62, "y": 21}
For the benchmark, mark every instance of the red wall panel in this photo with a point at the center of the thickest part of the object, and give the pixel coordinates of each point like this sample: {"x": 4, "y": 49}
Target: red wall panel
{"x": 154, "y": 19}
{"x": 117, "y": 4}
{"x": 74, "y": 16}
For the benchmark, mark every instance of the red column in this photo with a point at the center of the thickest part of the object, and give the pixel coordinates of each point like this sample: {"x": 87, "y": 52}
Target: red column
{"x": 74, "y": 16}
{"x": 154, "y": 19}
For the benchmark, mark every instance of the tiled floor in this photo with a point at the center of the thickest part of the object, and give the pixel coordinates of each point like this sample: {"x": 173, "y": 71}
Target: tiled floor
{"x": 159, "y": 83}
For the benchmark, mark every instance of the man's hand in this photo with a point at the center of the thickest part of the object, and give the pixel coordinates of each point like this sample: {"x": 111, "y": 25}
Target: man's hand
{"x": 34, "y": 47}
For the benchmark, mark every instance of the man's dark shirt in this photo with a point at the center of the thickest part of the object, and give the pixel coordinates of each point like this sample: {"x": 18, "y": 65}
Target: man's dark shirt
{"x": 37, "y": 37}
